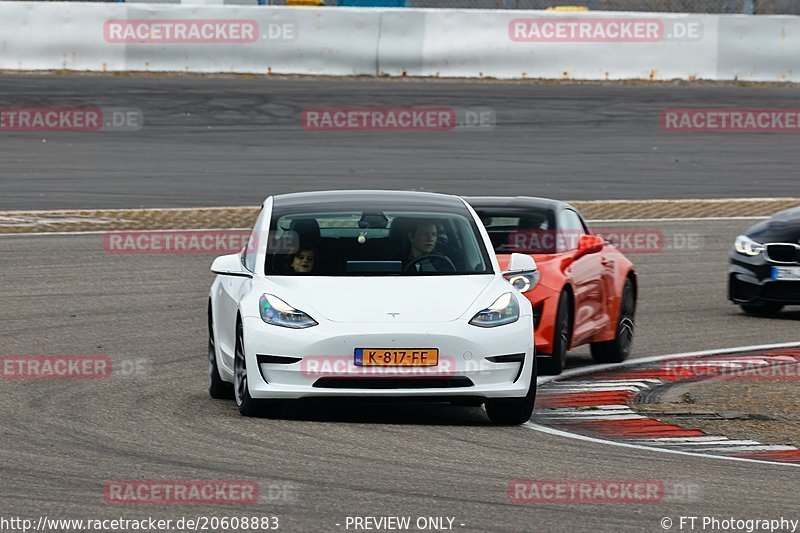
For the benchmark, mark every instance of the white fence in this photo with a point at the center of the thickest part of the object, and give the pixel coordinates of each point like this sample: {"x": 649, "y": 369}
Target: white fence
{"x": 396, "y": 42}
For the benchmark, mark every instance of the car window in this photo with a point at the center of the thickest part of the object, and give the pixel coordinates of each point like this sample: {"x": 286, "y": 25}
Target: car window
{"x": 250, "y": 251}
{"x": 375, "y": 243}
{"x": 570, "y": 229}
{"x": 527, "y": 231}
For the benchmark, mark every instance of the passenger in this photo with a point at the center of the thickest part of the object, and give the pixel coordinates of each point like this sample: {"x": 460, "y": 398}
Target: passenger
{"x": 302, "y": 261}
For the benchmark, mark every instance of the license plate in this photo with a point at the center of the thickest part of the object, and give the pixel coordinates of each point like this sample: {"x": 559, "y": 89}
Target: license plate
{"x": 396, "y": 357}
{"x": 786, "y": 273}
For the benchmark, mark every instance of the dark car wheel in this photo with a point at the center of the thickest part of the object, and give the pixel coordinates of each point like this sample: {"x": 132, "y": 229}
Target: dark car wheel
{"x": 762, "y": 308}
{"x": 513, "y": 411}
{"x": 618, "y": 349}
{"x": 562, "y": 332}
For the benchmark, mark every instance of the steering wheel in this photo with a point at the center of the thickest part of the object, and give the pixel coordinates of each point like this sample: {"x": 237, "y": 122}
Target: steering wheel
{"x": 431, "y": 257}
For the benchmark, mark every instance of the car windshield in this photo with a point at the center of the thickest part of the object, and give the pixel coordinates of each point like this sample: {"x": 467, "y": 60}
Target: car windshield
{"x": 529, "y": 231}
{"x": 375, "y": 243}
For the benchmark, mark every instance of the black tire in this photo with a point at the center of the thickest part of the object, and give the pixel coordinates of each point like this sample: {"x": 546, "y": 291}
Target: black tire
{"x": 513, "y": 411}
{"x": 217, "y": 388}
{"x": 762, "y": 308}
{"x": 618, "y": 349}
{"x": 249, "y": 406}
{"x": 562, "y": 334}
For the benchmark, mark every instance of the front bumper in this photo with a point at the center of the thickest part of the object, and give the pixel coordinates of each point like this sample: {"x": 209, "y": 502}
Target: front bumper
{"x": 750, "y": 281}
{"x": 326, "y": 364}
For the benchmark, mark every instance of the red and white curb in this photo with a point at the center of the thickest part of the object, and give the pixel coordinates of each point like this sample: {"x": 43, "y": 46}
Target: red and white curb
{"x": 593, "y": 404}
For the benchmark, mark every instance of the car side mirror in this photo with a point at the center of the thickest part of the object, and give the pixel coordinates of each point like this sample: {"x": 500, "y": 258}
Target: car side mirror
{"x": 589, "y": 244}
{"x": 230, "y": 265}
{"x": 522, "y": 272}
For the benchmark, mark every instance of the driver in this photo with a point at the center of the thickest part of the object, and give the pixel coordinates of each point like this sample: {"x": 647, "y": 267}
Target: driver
{"x": 423, "y": 242}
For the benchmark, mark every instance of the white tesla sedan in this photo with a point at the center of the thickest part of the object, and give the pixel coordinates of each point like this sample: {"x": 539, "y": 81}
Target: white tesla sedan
{"x": 372, "y": 294}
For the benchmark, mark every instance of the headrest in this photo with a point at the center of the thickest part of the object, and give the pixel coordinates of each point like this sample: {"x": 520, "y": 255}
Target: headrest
{"x": 306, "y": 228}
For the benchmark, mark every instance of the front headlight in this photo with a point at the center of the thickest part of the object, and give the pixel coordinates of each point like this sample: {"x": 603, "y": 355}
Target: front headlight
{"x": 275, "y": 311}
{"x": 747, "y": 246}
{"x": 504, "y": 310}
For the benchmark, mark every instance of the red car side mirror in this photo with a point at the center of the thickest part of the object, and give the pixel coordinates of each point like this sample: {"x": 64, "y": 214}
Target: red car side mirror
{"x": 589, "y": 244}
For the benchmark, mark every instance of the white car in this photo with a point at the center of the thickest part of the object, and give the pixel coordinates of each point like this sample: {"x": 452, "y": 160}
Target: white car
{"x": 372, "y": 294}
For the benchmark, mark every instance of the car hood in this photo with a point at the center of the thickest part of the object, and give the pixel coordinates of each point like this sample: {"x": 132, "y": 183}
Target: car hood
{"x": 784, "y": 227}
{"x": 372, "y": 299}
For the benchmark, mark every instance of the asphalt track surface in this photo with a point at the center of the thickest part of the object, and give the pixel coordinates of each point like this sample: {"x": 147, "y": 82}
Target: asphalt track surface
{"x": 212, "y": 142}
{"x": 63, "y": 439}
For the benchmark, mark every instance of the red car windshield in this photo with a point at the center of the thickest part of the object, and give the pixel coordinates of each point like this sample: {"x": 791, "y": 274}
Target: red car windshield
{"x": 525, "y": 232}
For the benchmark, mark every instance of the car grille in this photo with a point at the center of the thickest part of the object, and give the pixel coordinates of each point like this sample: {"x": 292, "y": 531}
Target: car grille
{"x": 783, "y": 253}
{"x": 393, "y": 383}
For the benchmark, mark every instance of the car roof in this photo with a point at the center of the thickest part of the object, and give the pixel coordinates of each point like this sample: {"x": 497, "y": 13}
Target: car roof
{"x": 324, "y": 199}
{"x": 479, "y": 202}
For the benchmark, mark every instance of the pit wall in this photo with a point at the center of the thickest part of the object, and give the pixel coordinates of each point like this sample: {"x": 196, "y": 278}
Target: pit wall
{"x": 396, "y": 42}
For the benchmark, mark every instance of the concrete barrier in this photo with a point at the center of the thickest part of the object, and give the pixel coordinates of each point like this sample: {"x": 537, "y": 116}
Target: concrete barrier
{"x": 415, "y": 42}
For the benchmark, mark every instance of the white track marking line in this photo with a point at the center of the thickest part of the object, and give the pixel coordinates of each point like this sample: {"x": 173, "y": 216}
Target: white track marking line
{"x": 586, "y": 412}
{"x": 720, "y": 444}
{"x": 654, "y": 359}
{"x": 593, "y": 369}
{"x": 754, "y": 448}
{"x": 568, "y": 390}
{"x": 684, "y": 440}
{"x": 97, "y": 232}
{"x": 589, "y": 418}
{"x": 587, "y": 408}
{"x": 661, "y": 220}
{"x": 559, "y": 433}
{"x": 614, "y": 383}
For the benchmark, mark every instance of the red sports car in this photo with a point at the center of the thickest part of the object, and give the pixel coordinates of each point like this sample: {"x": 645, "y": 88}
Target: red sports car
{"x": 588, "y": 288}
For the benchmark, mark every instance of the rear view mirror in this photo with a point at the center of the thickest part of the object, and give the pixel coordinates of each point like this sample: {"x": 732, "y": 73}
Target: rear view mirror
{"x": 229, "y": 265}
{"x": 521, "y": 263}
{"x": 589, "y": 244}
{"x": 522, "y": 273}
